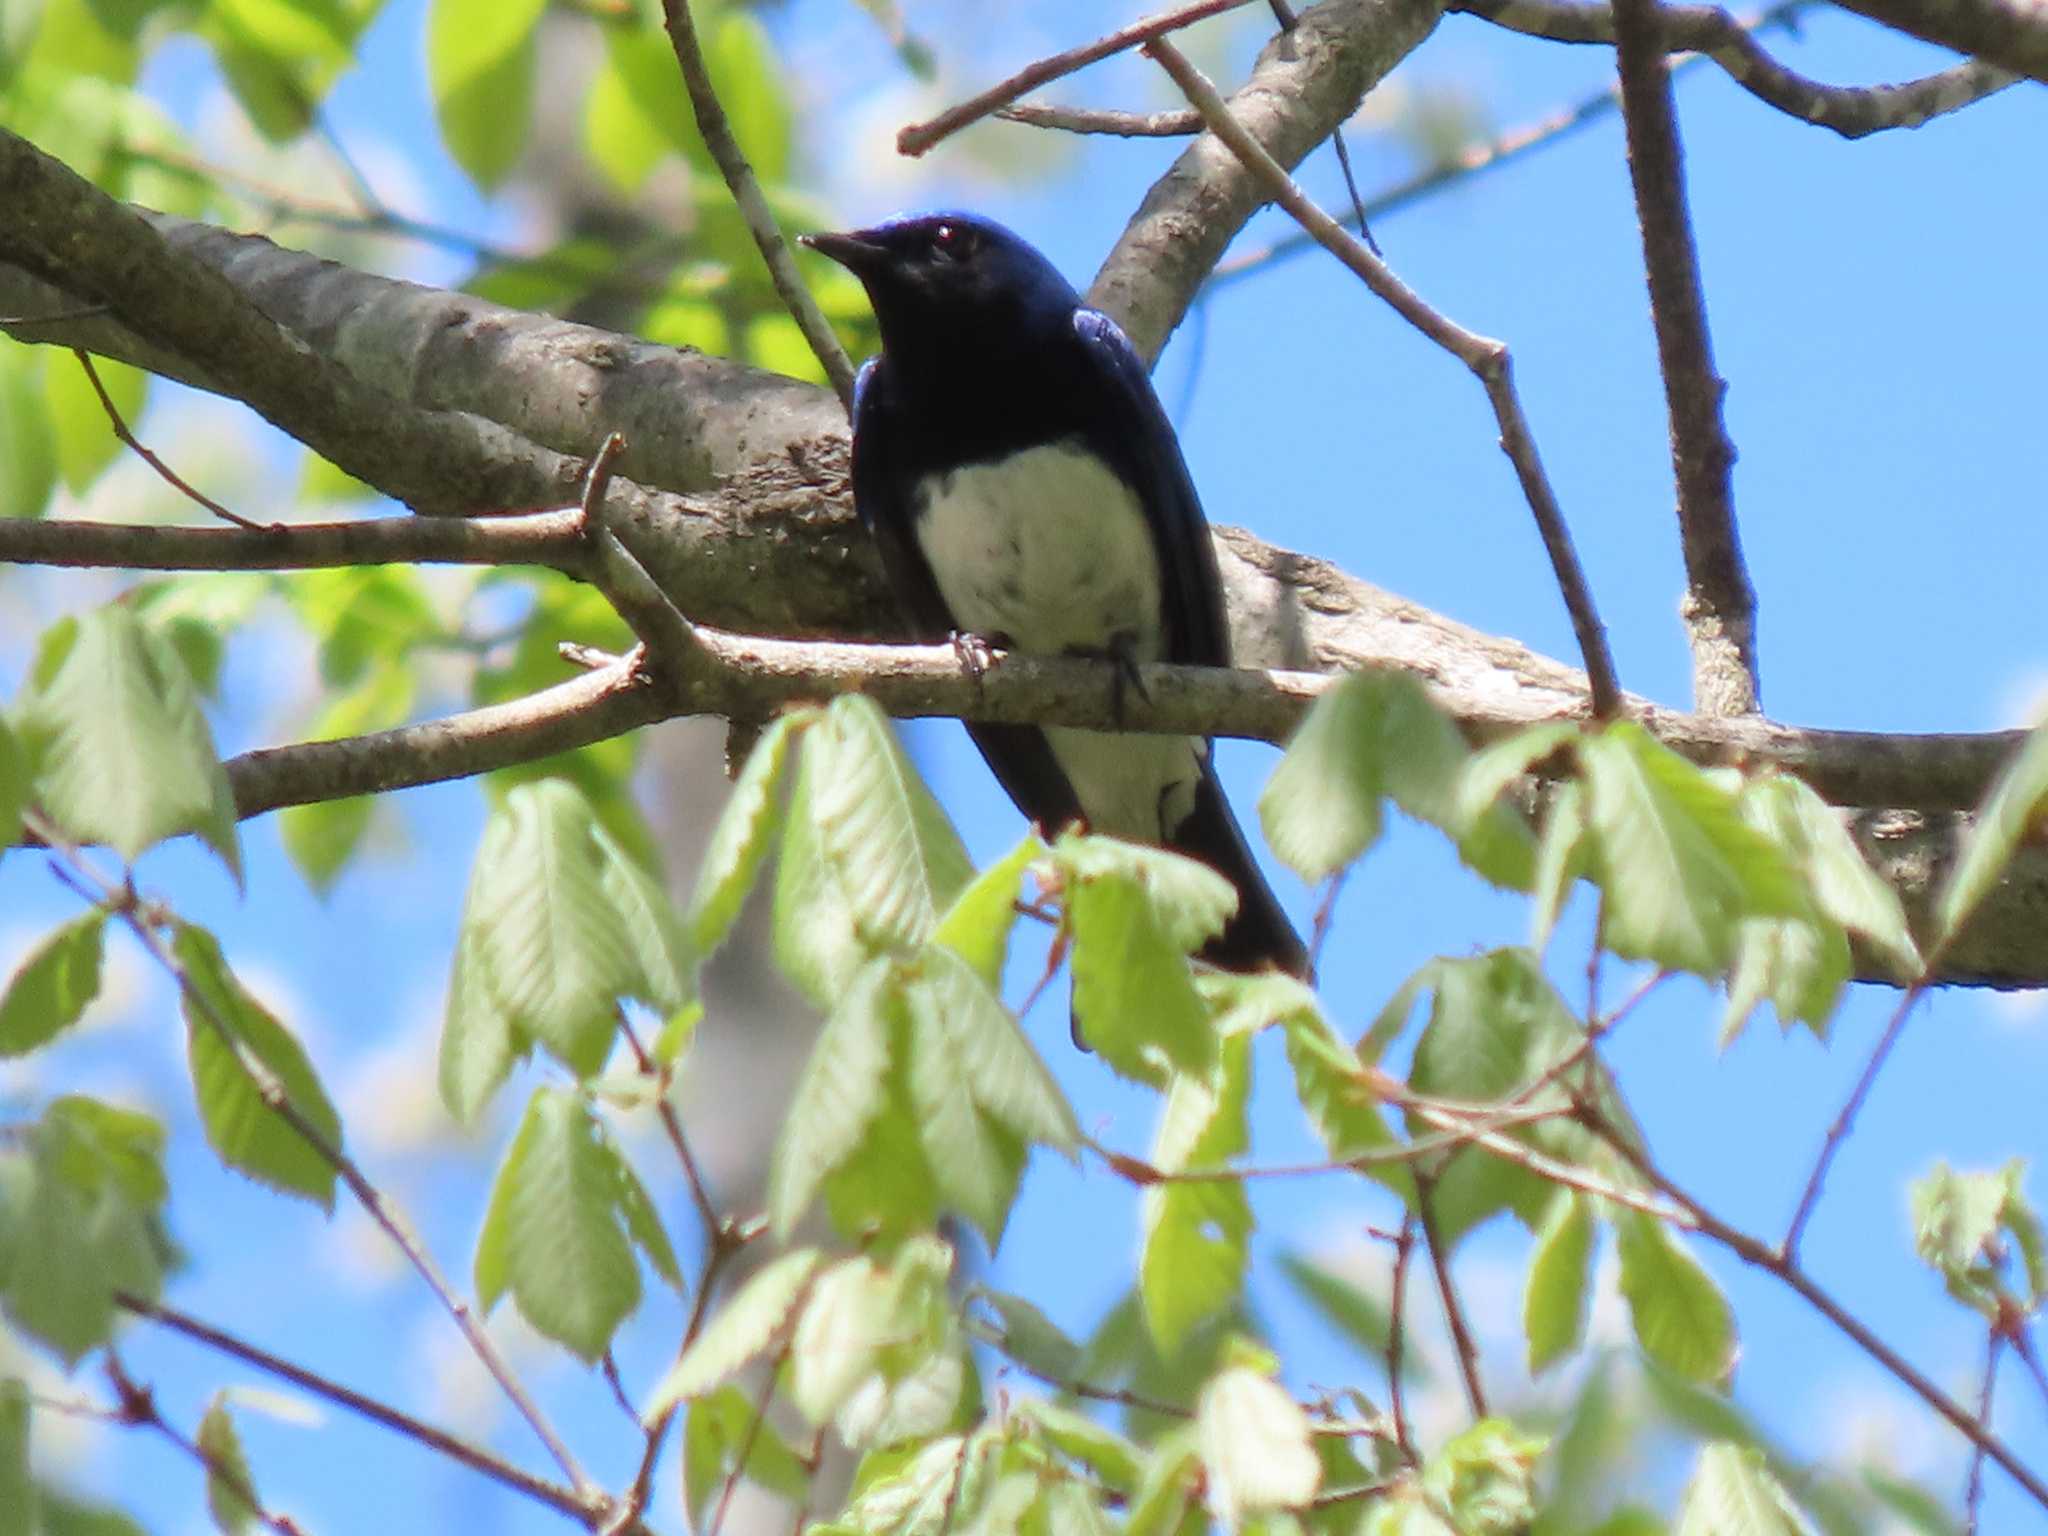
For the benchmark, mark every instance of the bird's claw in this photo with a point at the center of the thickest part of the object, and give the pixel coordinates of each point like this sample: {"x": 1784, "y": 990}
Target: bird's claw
{"x": 977, "y": 653}
{"x": 1124, "y": 678}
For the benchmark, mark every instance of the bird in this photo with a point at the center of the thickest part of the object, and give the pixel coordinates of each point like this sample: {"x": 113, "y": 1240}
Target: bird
{"x": 1027, "y": 492}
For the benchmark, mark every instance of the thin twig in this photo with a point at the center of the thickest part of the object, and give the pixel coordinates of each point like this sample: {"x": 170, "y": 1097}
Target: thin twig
{"x": 138, "y": 1407}
{"x": 477, "y": 1458}
{"x": 170, "y": 476}
{"x": 919, "y": 137}
{"x": 1120, "y": 1397}
{"x": 1488, "y": 359}
{"x": 1404, "y": 1248}
{"x": 1283, "y": 13}
{"x": 122, "y": 903}
{"x": 759, "y": 218}
{"x": 1720, "y": 604}
{"x": 1845, "y": 1119}
{"x": 747, "y": 1441}
{"x": 672, "y": 1125}
{"x": 1973, "y": 1485}
{"x": 1447, "y": 1292}
{"x": 1174, "y": 124}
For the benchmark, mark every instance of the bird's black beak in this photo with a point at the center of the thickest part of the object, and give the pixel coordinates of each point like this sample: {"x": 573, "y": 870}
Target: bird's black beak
{"x": 856, "y": 251}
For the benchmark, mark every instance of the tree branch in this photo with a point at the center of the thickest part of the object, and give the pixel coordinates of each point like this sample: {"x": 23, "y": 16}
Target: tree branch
{"x": 1720, "y": 606}
{"x": 2010, "y": 33}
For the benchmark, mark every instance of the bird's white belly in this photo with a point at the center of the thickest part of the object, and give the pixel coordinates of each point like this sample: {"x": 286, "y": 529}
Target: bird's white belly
{"x": 1050, "y": 550}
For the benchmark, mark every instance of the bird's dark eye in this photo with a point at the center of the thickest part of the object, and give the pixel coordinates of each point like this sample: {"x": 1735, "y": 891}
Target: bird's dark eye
{"x": 952, "y": 241}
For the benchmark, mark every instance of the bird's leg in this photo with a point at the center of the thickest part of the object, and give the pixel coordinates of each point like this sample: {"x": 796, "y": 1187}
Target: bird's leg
{"x": 1122, "y": 654}
{"x": 977, "y": 653}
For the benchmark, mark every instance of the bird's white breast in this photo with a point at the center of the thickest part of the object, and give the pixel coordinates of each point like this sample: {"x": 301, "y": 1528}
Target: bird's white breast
{"x": 1050, "y": 549}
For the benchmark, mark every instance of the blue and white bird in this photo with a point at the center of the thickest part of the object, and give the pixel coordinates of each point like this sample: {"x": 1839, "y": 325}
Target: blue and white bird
{"x": 1026, "y": 489}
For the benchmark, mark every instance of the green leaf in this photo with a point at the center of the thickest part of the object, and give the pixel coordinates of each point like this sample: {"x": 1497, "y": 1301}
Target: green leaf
{"x": 1563, "y": 858}
{"x": 1681, "y": 1318}
{"x": 973, "y": 1043}
{"x": 1359, "y": 1316}
{"x": 740, "y": 840}
{"x": 552, "y": 1234}
{"x": 741, "y": 62}
{"x": 1798, "y": 967}
{"x": 1255, "y": 1444}
{"x": 977, "y": 926}
{"x": 50, "y": 989}
{"x": 1981, "y": 1235}
{"x": 279, "y": 56}
{"x": 740, "y": 1330}
{"x": 1484, "y": 1478}
{"x": 665, "y": 968}
{"x": 1732, "y": 1493}
{"x": 720, "y": 1429}
{"x": 549, "y": 936}
{"x": 635, "y": 115}
{"x": 1330, "y": 1081}
{"x": 1196, "y": 1233}
{"x": 17, "y": 1491}
{"x": 83, "y": 1199}
{"x": 1844, "y": 885}
{"x": 86, "y": 443}
{"x": 842, "y": 1089}
{"x": 893, "y": 852}
{"x": 1031, "y": 1338}
{"x": 643, "y": 1222}
{"x": 2008, "y": 813}
{"x": 851, "y": 1315}
{"x": 1554, "y": 1301}
{"x": 28, "y": 444}
{"x": 14, "y": 785}
{"x": 1104, "y": 1452}
{"x": 1134, "y": 1001}
{"x": 322, "y": 837}
{"x": 1678, "y": 864}
{"x": 364, "y": 615}
{"x": 817, "y": 944}
{"x": 480, "y": 58}
{"x": 479, "y": 1041}
{"x": 228, "y": 1478}
{"x": 105, "y": 694}
{"x": 1189, "y": 900}
{"x": 240, "y": 1056}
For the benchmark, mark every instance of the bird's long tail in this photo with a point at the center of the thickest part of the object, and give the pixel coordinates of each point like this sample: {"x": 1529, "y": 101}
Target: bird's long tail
{"x": 1258, "y": 936}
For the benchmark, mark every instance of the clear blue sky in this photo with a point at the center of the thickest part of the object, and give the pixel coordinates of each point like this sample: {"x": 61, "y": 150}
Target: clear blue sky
{"x": 1877, "y": 309}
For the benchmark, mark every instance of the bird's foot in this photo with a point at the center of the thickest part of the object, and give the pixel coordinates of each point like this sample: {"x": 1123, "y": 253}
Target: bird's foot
{"x": 1122, "y": 654}
{"x": 977, "y": 653}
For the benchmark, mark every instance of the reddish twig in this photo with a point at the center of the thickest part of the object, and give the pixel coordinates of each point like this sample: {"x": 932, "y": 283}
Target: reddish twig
{"x": 170, "y": 476}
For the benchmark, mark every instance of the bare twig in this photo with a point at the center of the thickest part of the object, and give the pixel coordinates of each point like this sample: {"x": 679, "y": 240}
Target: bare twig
{"x": 1283, "y": 13}
{"x": 170, "y": 476}
{"x": 1404, "y": 1249}
{"x": 1116, "y": 1396}
{"x": 1973, "y": 1485}
{"x": 919, "y": 137}
{"x": 1126, "y": 125}
{"x": 746, "y": 1445}
{"x": 477, "y": 1458}
{"x": 1714, "y": 33}
{"x": 759, "y": 218}
{"x": 1720, "y": 605}
{"x": 1447, "y": 1292}
{"x": 552, "y": 539}
{"x": 1488, "y": 359}
{"x": 137, "y": 1406}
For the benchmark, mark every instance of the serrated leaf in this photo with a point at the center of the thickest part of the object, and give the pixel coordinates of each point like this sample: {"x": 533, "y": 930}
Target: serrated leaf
{"x": 816, "y": 943}
{"x": 1681, "y": 1318}
{"x": 666, "y": 969}
{"x": 552, "y": 1234}
{"x": 239, "y": 1055}
{"x": 643, "y": 1223}
{"x": 1995, "y": 832}
{"x": 1732, "y": 1493}
{"x": 1255, "y": 1443}
{"x": 479, "y": 1041}
{"x": 850, "y": 1316}
{"x": 1560, "y": 1265}
{"x": 1196, "y": 1233}
{"x": 1483, "y": 1478}
{"x": 841, "y": 1091}
{"x": 104, "y": 695}
{"x": 740, "y": 840}
{"x": 1329, "y": 1081}
{"x": 1678, "y": 865}
{"x": 891, "y": 849}
{"x": 1190, "y": 901}
{"x": 741, "y": 1329}
{"x": 1844, "y": 885}
{"x": 18, "y": 1502}
{"x": 1134, "y": 1001}
{"x": 1031, "y": 1338}
{"x": 550, "y": 940}
{"x": 480, "y": 61}
{"x": 1321, "y": 808}
{"x": 50, "y": 989}
{"x": 1798, "y": 967}
{"x": 1563, "y": 858}
{"x": 977, "y": 926}
{"x": 322, "y": 837}
{"x": 721, "y": 1428}
{"x": 1112, "y": 1458}
{"x": 1970, "y": 1228}
{"x": 976, "y": 1045}
{"x": 228, "y": 1478}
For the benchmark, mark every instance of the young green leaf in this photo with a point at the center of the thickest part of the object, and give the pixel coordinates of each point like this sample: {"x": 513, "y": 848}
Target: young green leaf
{"x": 1329, "y": 1079}
{"x": 1563, "y": 858}
{"x": 894, "y": 853}
{"x": 1321, "y": 808}
{"x": 667, "y": 970}
{"x": 1190, "y": 901}
{"x": 241, "y": 1056}
{"x": 1108, "y": 1455}
{"x": 14, "y": 785}
{"x": 745, "y": 831}
{"x": 1981, "y": 1235}
{"x": 2008, "y": 812}
{"x": 1197, "y": 1233}
{"x": 1679, "y": 866}
{"x": 643, "y": 1223}
{"x": 852, "y": 1314}
{"x": 722, "y": 1429}
{"x": 1134, "y": 1000}
{"x": 1732, "y": 1493}
{"x": 741, "y": 1329}
{"x": 817, "y": 945}
{"x": 1554, "y": 1300}
{"x": 975, "y": 1045}
{"x": 1681, "y": 1318}
{"x": 552, "y": 1233}
{"x": 549, "y": 937}
{"x": 1254, "y": 1442}
{"x": 977, "y": 926}
{"x": 1031, "y": 1338}
{"x": 479, "y": 1042}
{"x": 842, "y": 1090}
{"x": 1799, "y": 967}
{"x": 50, "y": 989}
{"x": 1484, "y": 1479}
{"x": 322, "y": 837}
{"x": 105, "y": 694}
{"x": 18, "y": 1512}
{"x": 229, "y": 1482}
{"x": 480, "y": 56}
{"x": 1844, "y": 885}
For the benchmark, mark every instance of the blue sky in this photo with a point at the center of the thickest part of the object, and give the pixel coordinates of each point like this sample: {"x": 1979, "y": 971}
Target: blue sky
{"x": 1876, "y": 307}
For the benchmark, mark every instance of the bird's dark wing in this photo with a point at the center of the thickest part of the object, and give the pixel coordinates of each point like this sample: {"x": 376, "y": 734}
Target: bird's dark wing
{"x": 1128, "y": 427}
{"x": 886, "y": 465}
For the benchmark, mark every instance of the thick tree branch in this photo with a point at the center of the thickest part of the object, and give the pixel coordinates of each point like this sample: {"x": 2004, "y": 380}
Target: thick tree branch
{"x": 2010, "y": 33}
{"x": 1708, "y": 30}
{"x": 1719, "y": 607}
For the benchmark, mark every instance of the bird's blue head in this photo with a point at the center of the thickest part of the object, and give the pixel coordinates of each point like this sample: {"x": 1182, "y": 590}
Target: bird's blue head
{"x": 946, "y": 282}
